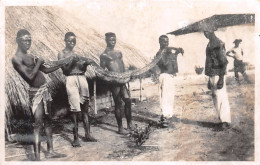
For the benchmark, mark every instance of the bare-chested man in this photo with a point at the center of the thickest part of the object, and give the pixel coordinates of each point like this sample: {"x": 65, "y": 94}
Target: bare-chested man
{"x": 112, "y": 60}
{"x": 168, "y": 67}
{"x": 77, "y": 87}
{"x": 30, "y": 68}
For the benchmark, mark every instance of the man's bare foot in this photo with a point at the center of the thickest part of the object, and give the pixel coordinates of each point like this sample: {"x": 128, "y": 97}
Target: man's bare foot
{"x": 37, "y": 159}
{"x": 220, "y": 83}
{"x": 163, "y": 122}
{"x": 53, "y": 154}
{"x": 76, "y": 143}
{"x": 122, "y": 131}
{"x": 130, "y": 127}
{"x": 89, "y": 138}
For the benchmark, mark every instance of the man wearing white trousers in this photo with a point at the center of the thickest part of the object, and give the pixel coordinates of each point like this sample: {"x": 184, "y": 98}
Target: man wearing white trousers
{"x": 168, "y": 68}
{"x": 216, "y": 64}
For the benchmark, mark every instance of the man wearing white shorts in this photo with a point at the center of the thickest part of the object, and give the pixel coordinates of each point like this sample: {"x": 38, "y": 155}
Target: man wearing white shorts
{"x": 77, "y": 87}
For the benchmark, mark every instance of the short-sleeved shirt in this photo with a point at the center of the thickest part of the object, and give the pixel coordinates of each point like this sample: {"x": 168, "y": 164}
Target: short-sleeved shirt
{"x": 216, "y": 60}
{"x": 168, "y": 63}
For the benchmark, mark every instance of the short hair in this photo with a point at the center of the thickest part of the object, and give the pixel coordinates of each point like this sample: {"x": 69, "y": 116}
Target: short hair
{"x": 21, "y": 33}
{"x": 110, "y": 34}
{"x": 163, "y": 36}
{"x": 68, "y": 34}
{"x": 237, "y": 41}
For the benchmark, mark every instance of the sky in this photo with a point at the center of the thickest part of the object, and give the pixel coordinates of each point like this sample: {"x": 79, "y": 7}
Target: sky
{"x": 140, "y": 23}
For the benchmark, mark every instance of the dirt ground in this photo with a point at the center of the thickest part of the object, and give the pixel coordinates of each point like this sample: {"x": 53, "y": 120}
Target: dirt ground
{"x": 191, "y": 135}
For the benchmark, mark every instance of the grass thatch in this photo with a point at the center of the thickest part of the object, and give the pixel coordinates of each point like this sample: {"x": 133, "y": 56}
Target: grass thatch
{"x": 48, "y": 26}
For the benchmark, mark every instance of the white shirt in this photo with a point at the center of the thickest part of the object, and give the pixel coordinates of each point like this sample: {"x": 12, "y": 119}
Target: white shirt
{"x": 237, "y": 53}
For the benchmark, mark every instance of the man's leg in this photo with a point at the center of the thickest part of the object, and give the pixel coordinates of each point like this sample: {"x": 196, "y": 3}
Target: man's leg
{"x": 237, "y": 77}
{"x": 38, "y": 125}
{"x": 163, "y": 101}
{"x": 246, "y": 77}
{"x": 48, "y": 131}
{"x": 118, "y": 112}
{"x": 220, "y": 82}
{"x": 128, "y": 112}
{"x": 86, "y": 124}
{"x": 224, "y": 107}
{"x": 74, "y": 116}
{"x": 213, "y": 93}
{"x": 221, "y": 103}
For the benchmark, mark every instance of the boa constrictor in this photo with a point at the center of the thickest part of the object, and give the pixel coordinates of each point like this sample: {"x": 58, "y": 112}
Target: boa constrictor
{"x": 114, "y": 77}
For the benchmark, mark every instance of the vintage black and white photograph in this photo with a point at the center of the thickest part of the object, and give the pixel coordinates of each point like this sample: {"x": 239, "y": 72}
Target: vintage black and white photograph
{"x": 130, "y": 80}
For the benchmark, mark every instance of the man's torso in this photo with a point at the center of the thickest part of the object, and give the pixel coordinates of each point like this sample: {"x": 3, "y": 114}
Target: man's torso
{"x": 168, "y": 63}
{"x": 29, "y": 62}
{"x": 114, "y": 61}
{"x": 78, "y": 67}
{"x": 216, "y": 53}
{"x": 237, "y": 52}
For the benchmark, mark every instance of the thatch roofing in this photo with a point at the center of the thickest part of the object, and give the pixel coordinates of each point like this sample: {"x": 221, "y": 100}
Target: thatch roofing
{"x": 48, "y": 26}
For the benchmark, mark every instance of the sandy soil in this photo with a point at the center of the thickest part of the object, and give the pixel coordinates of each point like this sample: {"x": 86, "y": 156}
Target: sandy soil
{"x": 191, "y": 135}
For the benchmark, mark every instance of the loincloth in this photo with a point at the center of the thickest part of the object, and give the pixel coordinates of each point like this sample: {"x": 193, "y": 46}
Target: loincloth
{"x": 36, "y": 95}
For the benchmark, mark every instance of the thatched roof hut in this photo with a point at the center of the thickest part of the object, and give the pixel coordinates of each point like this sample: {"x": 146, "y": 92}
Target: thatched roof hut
{"x": 48, "y": 26}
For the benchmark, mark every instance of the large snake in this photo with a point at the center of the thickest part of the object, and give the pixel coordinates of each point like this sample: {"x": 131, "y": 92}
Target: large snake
{"x": 115, "y": 77}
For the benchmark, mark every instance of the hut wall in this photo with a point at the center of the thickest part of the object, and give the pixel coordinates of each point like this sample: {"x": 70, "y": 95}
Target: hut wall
{"x": 48, "y": 26}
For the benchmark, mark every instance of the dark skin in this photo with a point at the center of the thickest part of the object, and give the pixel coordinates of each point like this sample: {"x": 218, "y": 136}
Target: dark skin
{"x": 112, "y": 61}
{"x": 164, "y": 43}
{"x": 236, "y": 73}
{"x": 236, "y": 46}
{"x": 213, "y": 40}
{"x": 32, "y": 73}
{"x": 78, "y": 65}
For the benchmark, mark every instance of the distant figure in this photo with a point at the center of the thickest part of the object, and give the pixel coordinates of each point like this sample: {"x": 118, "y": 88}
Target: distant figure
{"x": 168, "y": 67}
{"x": 216, "y": 64}
{"x": 112, "y": 60}
{"x": 77, "y": 87}
{"x": 239, "y": 65}
{"x": 31, "y": 69}
{"x": 198, "y": 69}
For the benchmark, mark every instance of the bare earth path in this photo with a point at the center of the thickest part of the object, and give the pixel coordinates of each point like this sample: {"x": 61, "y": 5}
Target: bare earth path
{"x": 191, "y": 135}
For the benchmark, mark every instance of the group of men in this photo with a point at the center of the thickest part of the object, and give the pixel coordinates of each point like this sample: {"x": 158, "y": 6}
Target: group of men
{"x": 31, "y": 69}
{"x": 74, "y": 66}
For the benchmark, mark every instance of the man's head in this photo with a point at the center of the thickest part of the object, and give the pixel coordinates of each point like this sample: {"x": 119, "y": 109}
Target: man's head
{"x": 23, "y": 39}
{"x": 209, "y": 34}
{"x": 208, "y": 29}
{"x": 110, "y": 39}
{"x": 237, "y": 42}
{"x": 164, "y": 41}
{"x": 70, "y": 40}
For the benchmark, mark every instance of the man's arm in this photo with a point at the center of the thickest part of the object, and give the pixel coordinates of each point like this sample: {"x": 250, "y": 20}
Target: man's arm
{"x": 228, "y": 54}
{"x": 46, "y": 70}
{"x": 23, "y": 71}
{"x": 88, "y": 61}
{"x": 177, "y": 50}
{"x": 67, "y": 67}
{"x": 222, "y": 55}
{"x": 103, "y": 59}
{"x": 120, "y": 56}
